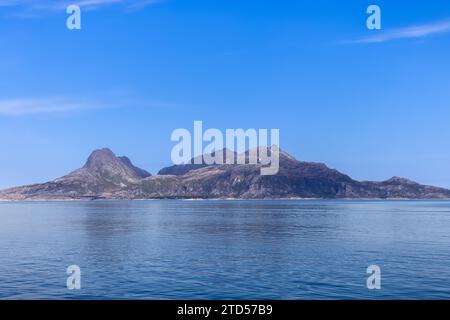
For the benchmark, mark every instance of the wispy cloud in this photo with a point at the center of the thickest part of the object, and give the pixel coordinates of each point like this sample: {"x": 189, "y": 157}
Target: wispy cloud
{"x": 57, "y": 105}
{"x": 411, "y": 32}
{"x": 19, "y": 107}
{"x": 54, "y": 5}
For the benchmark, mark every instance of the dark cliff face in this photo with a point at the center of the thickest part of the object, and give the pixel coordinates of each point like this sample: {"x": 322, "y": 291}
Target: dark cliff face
{"x": 106, "y": 176}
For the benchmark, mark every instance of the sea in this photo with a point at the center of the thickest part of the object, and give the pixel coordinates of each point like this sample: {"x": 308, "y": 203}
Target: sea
{"x": 174, "y": 249}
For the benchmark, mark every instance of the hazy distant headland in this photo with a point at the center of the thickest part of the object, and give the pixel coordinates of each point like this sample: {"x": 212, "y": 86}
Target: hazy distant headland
{"x": 106, "y": 176}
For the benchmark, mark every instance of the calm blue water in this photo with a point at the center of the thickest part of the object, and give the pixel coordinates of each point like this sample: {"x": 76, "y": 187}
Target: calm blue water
{"x": 225, "y": 249}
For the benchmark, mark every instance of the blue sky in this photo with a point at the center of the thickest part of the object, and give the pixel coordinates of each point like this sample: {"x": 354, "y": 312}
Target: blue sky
{"x": 372, "y": 104}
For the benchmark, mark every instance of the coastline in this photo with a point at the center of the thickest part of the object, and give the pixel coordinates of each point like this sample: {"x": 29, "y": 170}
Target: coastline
{"x": 224, "y": 199}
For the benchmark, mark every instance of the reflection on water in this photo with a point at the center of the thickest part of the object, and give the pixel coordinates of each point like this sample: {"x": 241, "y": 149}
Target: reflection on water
{"x": 225, "y": 249}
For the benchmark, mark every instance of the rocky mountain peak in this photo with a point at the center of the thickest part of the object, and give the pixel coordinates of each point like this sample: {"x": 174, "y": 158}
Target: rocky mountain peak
{"x": 100, "y": 157}
{"x": 399, "y": 180}
{"x": 104, "y": 160}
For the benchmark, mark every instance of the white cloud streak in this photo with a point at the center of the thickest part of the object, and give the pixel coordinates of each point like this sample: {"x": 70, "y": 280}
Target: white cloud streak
{"x": 53, "y": 5}
{"x": 56, "y": 105}
{"x": 20, "y": 107}
{"x": 412, "y": 32}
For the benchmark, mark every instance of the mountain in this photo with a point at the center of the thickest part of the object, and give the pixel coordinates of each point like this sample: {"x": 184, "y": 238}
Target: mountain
{"x": 105, "y": 176}
{"x": 103, "y": 173}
